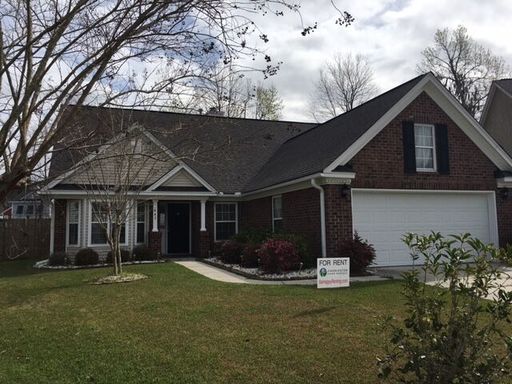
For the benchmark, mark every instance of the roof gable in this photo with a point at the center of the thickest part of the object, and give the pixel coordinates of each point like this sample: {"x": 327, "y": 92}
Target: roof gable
{"x": 224, "y": 152}
{"x": 334, "y": 143}
{"x": 314, "y": 150}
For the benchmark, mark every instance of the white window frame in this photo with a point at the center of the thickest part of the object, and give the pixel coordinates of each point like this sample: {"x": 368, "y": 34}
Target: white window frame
{"x": 15, "y": 209}
{"x": 146, "y": 209}
{"x": 68, "y": 244}
{"x": 215, "y": 221}
{"x": 274, "y": 198}
{"x": 109, "y": 228}
{"x": 433, "y": 147}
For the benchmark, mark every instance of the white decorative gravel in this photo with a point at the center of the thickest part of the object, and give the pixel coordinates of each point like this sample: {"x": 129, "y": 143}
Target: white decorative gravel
{"x": 124, "y": 278}
{"x": 43, "y": 264}
{"x": 308, "y": 273}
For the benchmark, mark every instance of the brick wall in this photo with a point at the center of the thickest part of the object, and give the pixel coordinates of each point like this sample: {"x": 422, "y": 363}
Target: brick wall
{"x": 256, "y": 214}
{"x": 504, "y": 208}
{"x": 338, "y": 218}
{"x": 59, "y": 244}
{"x": 301, "y": 215}
{"x": 380, "y": 164}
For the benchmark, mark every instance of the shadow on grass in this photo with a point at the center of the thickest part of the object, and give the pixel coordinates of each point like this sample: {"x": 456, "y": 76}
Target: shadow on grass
{"x": 16, "y": 268}
{"x": 311, "y": 312}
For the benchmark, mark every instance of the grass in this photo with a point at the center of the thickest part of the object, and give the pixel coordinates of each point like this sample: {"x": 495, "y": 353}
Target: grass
{"x": 179, "y": 327}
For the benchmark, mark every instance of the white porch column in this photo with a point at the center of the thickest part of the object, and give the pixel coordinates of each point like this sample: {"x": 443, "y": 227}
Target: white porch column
{"x": 155, "y": 216}
{"x": 203, "y": 215}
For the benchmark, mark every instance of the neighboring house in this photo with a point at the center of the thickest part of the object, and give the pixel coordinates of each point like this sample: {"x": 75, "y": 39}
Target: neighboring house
{"x": 497, "y": 114}
{"x": 411, "y": 159}
{"x": 26, "y": 203}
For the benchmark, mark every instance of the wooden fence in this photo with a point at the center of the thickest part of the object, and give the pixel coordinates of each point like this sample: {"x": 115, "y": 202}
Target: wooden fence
{"x": 24, "y": 238}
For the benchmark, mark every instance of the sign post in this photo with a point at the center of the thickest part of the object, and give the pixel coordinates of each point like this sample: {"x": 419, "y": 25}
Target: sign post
{"x": 333, "y": 272}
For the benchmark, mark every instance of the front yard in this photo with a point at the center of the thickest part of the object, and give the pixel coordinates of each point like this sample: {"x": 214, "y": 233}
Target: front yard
{"x": 179, "y": 327}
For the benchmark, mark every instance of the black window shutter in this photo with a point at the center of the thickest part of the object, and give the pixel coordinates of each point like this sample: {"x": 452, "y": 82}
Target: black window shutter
{"x": 409, "y": 147}
{"x": 443, "y": 158}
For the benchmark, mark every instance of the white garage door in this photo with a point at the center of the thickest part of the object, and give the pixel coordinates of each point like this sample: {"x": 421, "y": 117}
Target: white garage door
{"x": 383, "y": 217}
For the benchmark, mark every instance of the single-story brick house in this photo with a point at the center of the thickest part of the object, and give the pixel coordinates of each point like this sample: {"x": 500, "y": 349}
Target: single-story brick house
{"x": 411, "y": 159}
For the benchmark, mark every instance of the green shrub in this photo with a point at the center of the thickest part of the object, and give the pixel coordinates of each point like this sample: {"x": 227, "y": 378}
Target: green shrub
{"x": 144, "y": 253}
{"x": 231, "y": 252}
{"x": 306, "y": 257}
{"x": 250, "y": 256}
{"x": 360, "y": 253}
{"x": 58, "y": 258}
{"x": 86, "y": 256}
{"x": 279, "y": 256}
{"x": 125, "y": 256}
{"x": 450, "y": 334}
{"x": 252, "y": 236}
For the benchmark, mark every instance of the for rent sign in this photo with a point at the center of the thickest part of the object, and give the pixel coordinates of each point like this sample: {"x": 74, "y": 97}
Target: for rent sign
{"x": 333, "y": 272}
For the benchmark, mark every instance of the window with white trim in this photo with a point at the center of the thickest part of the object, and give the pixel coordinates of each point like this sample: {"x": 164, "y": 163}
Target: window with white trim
{"x": 100, "y": 225}
{"x": 20, "y": 209}
{"x": 277, "y": 213}
{"x": 140, "y": 237}
{"x": 73, "y": 221}
{"x": 30, "y": 210}
{"x": 226, "y": 220}
{"x": 424, "y": 141}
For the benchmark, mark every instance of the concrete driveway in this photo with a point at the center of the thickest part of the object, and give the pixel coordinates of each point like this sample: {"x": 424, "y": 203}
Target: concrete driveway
{"x": 396, "y": 273}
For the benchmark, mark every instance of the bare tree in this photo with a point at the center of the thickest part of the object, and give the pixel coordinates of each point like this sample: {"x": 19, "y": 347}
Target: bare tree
{"x": 464, "y": 66}
{"x": 268, "y": 104}
{"x": 226, "y": 90}
{"x": 56, "y": 53}
{"x": 113, "y": 180}
{"x": 231, "y": 93}
{"x": 344, "y": 83}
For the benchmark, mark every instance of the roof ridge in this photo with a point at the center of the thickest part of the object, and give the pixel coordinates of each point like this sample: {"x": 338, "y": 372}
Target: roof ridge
{"x": 193, "y": 114}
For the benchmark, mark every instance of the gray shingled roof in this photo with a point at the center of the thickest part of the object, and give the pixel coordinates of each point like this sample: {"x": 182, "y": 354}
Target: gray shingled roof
{"x": 312, "y": 151}
{"x": 237, "y": 154}
{"x": 229, "y": 151}
{"x": 506, "y": 84}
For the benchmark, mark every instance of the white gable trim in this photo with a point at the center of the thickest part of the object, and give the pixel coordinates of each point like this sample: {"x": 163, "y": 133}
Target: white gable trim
{"x": 174, "y": 171}
{"x": 154, "y": 140}
{"x": 88, "y": 158}
{"x": 450, "y": 106}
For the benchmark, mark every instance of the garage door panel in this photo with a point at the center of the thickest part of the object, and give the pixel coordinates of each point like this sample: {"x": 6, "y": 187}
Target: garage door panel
{"x": 384, "y": 217}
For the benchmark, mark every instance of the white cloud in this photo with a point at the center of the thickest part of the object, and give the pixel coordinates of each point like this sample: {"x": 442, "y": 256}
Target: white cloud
{"x": 391, "y": 32}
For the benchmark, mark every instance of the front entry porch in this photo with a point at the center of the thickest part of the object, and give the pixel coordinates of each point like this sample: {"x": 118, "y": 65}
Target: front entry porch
{"x": 179, "y": 228}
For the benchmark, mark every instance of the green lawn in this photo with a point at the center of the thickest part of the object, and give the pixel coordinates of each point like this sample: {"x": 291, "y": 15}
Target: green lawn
{"x": 179, "y": 327}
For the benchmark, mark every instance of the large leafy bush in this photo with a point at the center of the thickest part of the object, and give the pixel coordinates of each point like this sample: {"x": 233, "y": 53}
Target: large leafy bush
{"x": 360, "y": 253}
{"x": 86, "y": 256}
{"x": 458, "y": 329}
{"x": 143, "y": 253}
{"x": 279, "y": 256}
{"x": 231, "y": 252}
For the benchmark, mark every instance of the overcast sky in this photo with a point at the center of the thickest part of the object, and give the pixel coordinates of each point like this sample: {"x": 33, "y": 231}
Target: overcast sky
{"x": 392, "y": 33}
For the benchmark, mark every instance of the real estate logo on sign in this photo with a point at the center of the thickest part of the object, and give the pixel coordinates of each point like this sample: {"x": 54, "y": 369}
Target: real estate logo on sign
{"x": 333, "y": 272}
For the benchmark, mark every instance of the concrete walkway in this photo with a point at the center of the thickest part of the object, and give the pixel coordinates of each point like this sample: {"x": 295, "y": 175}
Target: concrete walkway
{"x": 218, "y": 274}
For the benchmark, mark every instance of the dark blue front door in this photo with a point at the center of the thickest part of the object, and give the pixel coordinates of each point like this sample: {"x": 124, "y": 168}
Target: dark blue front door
{"x": 178, "y": 228}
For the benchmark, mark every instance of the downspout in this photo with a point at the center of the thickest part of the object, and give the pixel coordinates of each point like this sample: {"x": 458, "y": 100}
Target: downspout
{"x": 322, "y": 216}
{"x": 52, "y": 226}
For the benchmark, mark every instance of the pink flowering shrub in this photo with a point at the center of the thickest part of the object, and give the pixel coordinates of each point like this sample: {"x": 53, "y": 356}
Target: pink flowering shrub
{"x": 279, "y": 256}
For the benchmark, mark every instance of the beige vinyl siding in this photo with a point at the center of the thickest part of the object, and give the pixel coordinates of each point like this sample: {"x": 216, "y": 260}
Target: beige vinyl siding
{"x": 103, "y": 170}
{"x": 84, "y": 232}
{"x": 182, "y": 179}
